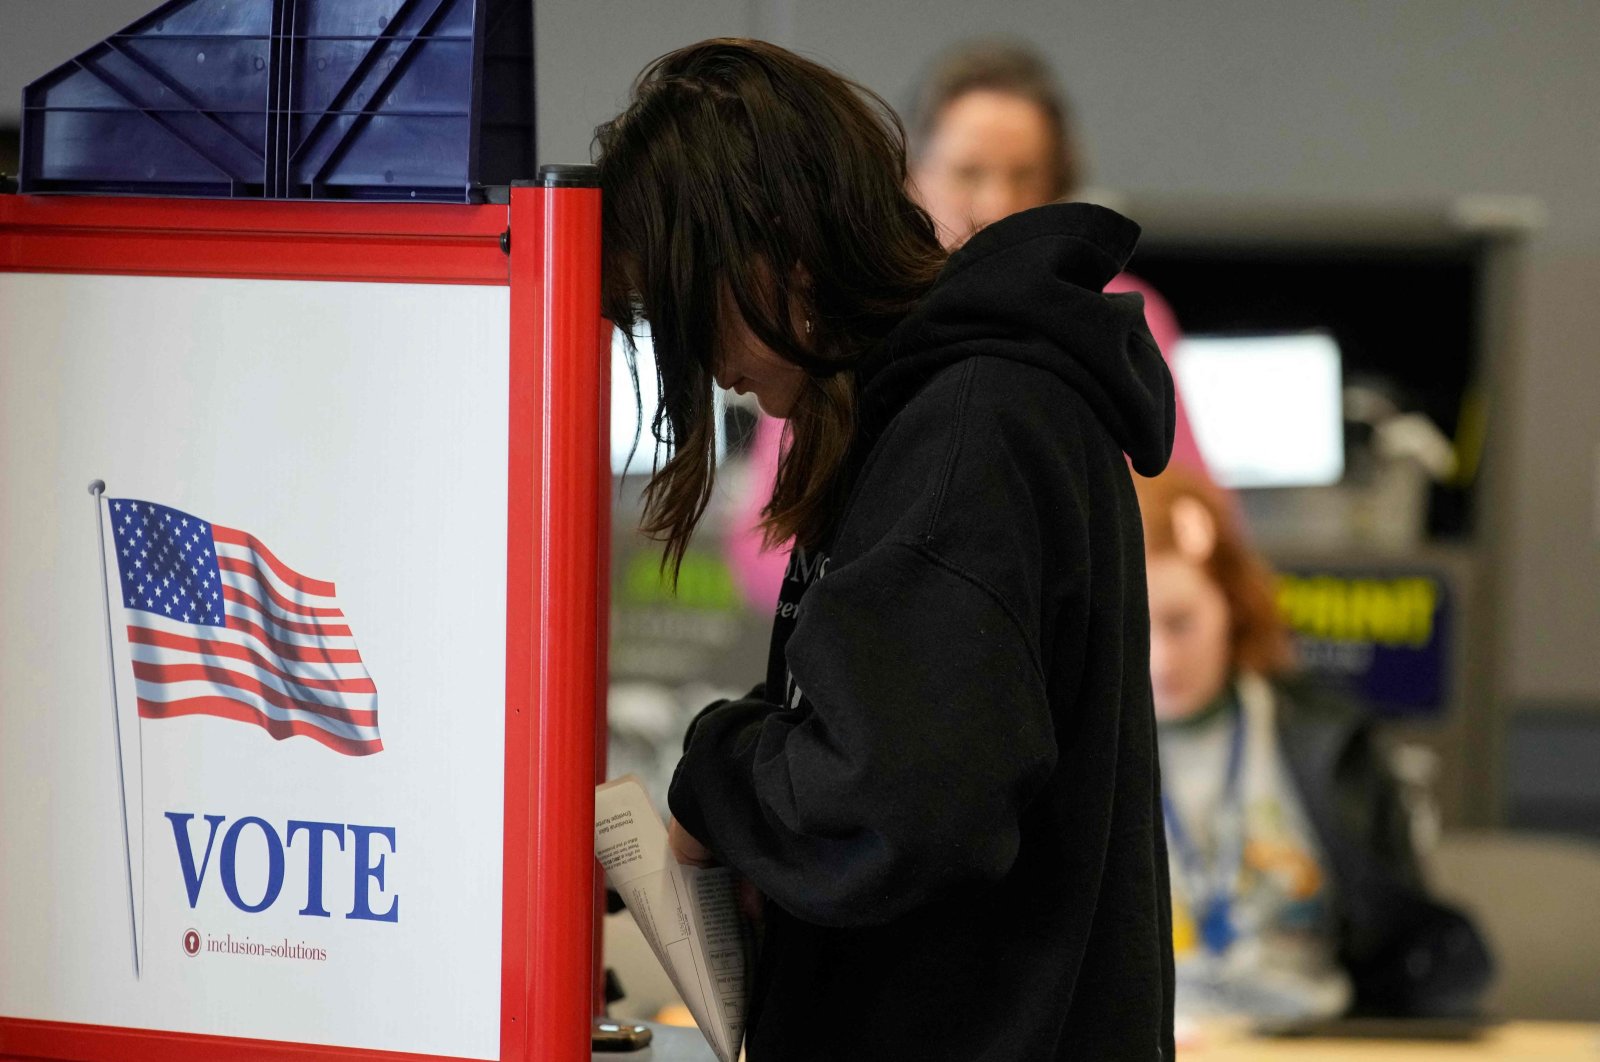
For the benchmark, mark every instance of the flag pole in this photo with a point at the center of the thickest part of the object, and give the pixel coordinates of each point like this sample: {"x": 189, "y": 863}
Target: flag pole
{"x": 97, "y": 488}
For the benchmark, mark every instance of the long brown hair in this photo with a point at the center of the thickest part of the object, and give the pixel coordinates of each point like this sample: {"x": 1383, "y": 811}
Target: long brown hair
{"x": 1260, "y": 639}
{"x": 740, "y": 167}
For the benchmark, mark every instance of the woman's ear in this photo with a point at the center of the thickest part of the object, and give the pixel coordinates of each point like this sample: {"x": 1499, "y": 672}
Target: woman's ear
{"x": 1194, "y": 529}
{"x": 802, "y": 306}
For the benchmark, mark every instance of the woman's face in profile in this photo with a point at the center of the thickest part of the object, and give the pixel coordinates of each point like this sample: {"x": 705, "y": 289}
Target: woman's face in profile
{"x": 990, "y": 154}
{"x": 1190, "y": 636}
{"x": 746, "y": 365}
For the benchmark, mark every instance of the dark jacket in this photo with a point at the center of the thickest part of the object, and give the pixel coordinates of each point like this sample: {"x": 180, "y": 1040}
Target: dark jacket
{"x": 948, "y": 786}
{"x": 1407, "y": 955}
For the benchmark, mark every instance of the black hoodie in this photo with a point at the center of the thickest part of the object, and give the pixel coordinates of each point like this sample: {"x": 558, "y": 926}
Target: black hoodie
{"x": 947, "y": 788}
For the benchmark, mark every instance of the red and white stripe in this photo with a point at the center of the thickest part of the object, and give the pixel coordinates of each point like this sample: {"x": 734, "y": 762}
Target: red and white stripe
{"x": 286, "y": 660}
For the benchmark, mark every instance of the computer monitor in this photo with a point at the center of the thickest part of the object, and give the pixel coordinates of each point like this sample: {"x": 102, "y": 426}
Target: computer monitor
{"x": 1266, "y": 410}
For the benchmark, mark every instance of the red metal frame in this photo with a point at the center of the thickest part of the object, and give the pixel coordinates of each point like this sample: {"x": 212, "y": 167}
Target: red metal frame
{"x": 425, "y": 243}
{"x": 570, "y": 617}
{"x": 557, "y": 508}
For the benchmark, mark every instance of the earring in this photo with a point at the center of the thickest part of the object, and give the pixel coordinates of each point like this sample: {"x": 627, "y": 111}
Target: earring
{"x": 808, "y": 326}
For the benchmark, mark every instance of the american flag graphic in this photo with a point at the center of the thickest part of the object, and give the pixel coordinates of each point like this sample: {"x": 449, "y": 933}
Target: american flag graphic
{"x": 219, "y": 626}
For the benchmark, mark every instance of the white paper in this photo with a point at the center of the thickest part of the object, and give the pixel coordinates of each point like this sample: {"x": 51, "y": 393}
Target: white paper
{"x": 689, "y": 915}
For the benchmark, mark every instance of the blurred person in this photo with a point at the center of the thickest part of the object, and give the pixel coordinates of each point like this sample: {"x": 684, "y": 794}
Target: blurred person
{"x": 990, "y": 134}
{"x": 946, "y": 786}
{"x": 1296, "y": 891}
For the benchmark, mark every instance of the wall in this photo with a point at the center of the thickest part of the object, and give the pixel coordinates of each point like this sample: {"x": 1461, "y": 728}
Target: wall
{"x": 1349, "y": 103}
{"x": 1352, "y": 103}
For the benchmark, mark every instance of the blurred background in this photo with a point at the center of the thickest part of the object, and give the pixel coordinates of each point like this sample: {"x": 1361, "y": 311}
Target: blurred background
{"x": 1414, "y": 184}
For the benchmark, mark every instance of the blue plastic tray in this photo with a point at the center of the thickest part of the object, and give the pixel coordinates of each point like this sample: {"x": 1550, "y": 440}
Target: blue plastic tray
{"x": 292, "y": 99}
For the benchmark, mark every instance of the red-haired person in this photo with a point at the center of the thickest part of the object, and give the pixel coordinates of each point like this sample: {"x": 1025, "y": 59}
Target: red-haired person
{"x": 1296, "y": 890}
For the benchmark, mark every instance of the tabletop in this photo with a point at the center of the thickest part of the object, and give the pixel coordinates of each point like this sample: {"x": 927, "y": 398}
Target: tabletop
{"x": 1512, "y": 1042}
{"x": 1509, "y": 1042}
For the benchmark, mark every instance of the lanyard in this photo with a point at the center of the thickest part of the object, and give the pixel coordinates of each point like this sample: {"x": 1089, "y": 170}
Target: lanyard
{"x": 1212, "y": 894}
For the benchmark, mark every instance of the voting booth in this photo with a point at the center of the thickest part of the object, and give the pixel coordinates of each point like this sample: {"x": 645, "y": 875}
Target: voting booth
{"x": 297, "y": 708}
{"x": 302, "y": 603}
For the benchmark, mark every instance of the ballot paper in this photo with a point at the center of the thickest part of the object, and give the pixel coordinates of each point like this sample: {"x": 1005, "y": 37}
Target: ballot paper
{"x": 690, "y": 915}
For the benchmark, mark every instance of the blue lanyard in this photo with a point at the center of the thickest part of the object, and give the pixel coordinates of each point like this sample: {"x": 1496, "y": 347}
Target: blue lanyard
{"x": 1213, "y": 898}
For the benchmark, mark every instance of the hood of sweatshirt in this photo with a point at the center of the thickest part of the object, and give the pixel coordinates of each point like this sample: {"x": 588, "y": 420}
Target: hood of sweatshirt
{"x": 1029, "y": 288}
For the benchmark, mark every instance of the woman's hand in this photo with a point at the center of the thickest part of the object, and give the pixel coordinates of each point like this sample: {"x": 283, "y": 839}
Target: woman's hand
{"x": 685, "y": 849}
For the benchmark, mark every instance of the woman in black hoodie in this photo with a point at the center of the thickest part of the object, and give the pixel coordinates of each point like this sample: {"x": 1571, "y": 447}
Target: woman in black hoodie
{"x": 947, "y": 786}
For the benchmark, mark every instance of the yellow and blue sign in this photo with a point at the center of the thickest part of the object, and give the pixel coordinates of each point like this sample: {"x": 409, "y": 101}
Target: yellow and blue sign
{"x": 1383, "y": 636}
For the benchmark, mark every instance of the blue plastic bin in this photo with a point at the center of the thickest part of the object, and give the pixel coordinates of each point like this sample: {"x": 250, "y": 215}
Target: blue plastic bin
{"x": 292, "y": 99}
